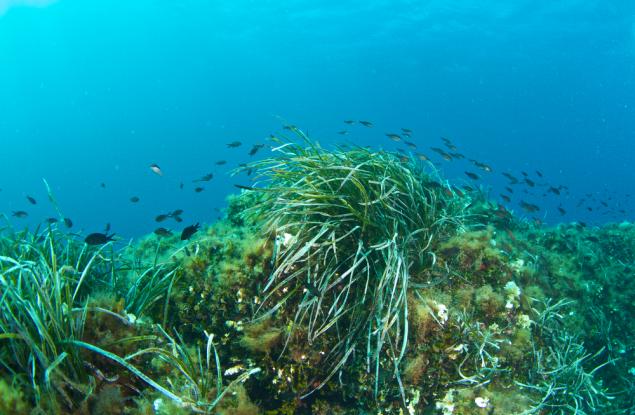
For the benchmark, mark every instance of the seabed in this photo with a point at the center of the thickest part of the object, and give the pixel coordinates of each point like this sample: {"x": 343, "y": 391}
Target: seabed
{"x": 345, "y": 281}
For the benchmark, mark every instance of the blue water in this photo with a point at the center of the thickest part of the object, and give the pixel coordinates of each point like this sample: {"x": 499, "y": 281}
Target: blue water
{"x": 93, "y": 92}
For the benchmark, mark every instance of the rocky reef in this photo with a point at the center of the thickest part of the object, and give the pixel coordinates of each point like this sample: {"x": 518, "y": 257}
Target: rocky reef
{"x": 345, "y": 281}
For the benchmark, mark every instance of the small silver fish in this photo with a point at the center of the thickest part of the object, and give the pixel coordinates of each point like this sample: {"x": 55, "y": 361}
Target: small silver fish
{"x": 156, "y": 169}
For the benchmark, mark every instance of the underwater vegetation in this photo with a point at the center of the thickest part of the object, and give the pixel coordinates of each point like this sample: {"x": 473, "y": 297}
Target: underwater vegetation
{"x": 342, "y": 281}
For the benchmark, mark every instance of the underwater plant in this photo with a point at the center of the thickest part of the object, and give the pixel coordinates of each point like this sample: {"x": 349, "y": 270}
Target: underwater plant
{"x": 560, "y": 372}
{"x": 50, "y": 322}
{"x": 41, "y": 309}
{"x": 352, "y": 228}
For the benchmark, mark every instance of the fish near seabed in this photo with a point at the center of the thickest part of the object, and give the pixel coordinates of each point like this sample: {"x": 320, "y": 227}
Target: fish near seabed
{"x": 98, "y": 238}
{"x": 471, "y": 175}
{"x": 189, "y": 231}
{"x": 163, "y": 232}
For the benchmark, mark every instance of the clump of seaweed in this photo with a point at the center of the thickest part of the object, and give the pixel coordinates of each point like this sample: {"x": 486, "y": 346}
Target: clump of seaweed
{"x": 47, "y": 281}
{"x": 351, "y": 227}
{"x": 41, "y": 310}
{"x": 563, "y": 372}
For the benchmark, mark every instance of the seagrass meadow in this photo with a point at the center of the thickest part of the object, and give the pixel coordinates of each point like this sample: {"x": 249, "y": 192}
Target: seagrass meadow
{"x": 344, "y": 281}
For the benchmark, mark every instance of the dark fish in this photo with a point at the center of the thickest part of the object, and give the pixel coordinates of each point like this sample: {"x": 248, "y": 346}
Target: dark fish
{"x": 506, "y": 198}
{"x": 349, "y": 122}
{"x": 502, "y": 212}
{"x": 102, "y": 185}
{"x": 394, "y": 137}
{"x": 177, "y": 212}
{"x": 178, "y": 219}
{"x": 234, "y": 144}
{"x": 31, "y": 200}
{"x": 134, "y": 199}
{"x": 524, "y": 173}
{"x": 457, "y": 156}
{"x": 511, "y": 178}
{"x": 554, "y": 190}
{"x": 255, "y": 149}
{"x": 189, "y": 231}
{"x": 240, "y": 186}
{"x": 529, "y": 207}
{"x": 422, "y": 157}
{"x": 604, "y": 203}
{"x": 206, "y": 178}
{"x": 98, "y": 238}
{"x": 451, "y": 146}
{"x": 509, "y": 189}
{"x": 161, "y": 218}
{"x": 181, "y": 186}
{"x": 406, "y": 130}
{"x": 20, "y": 214}
{"x": 441, "y": 152}
{"x": 248, "y": 170}
{"x": 539, "y": 173}
{"x": 51, "y": 220}
{"x": 68, "y": 222}
{"x": 366, "y": 124}
{"x": 529, "y": 182}
{"x": 221, "y": 162}
{"x": 163, "y": 232}
{"x": 471, "y": 175}
{"x": 342, "y": 132}
{"x": 562, "y": 211}
{"x": 481, "y": 166}
{"x": 410, "y": 144}
{"x": 156, "y": 169}
{"x": 199, "y": 189}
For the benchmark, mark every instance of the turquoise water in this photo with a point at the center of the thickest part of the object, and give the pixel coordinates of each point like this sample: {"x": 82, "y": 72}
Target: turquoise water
{"x": 94, "y": 92}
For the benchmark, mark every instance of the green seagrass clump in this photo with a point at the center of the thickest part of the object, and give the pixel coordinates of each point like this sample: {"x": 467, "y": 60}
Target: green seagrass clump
{"x": 352, "y": 228}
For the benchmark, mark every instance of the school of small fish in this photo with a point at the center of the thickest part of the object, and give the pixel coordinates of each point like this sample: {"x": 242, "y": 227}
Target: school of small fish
{"x": 521, "y": 188}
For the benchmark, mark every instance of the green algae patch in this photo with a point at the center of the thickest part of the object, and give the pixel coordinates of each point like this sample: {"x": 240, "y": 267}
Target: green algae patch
{"x": 12, "y": 399}
{"x": 261, "y": 337}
